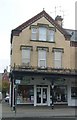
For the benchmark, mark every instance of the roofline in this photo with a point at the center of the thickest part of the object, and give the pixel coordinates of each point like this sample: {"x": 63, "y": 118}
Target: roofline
{"x": 17, "y": 30}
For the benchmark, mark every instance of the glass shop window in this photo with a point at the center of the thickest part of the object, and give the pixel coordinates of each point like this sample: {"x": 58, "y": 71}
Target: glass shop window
{"x": 60, "y": 93}
{"x": 74, "y": 92}
{"x": 25, "y": 94}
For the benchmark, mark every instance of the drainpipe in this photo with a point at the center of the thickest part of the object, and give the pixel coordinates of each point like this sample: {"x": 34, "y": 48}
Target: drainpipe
{"x": 11, "y": 82}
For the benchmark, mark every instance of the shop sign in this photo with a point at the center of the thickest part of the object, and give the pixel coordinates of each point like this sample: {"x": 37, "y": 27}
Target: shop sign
{"x": 59, "y": 81}
{"x": 25, "y": 80}
{"x": 74, "y": 83}
{"x": 18, "y": 81}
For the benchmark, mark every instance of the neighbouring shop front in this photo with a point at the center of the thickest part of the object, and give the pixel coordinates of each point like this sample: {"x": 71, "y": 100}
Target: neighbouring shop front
{"x": 37, "y": 90}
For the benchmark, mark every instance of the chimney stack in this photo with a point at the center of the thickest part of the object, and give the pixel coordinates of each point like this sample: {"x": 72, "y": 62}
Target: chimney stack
{"x": 59, "y": 20}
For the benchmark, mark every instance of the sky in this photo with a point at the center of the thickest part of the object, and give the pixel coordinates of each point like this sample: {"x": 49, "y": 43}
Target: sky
{"x": 15, "y": 12}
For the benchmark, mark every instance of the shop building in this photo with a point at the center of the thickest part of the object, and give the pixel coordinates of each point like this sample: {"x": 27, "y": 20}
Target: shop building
{"x": 43, "y": 69}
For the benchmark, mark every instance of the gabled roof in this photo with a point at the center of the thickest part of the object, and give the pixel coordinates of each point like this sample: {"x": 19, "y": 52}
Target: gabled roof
{"x": 16, "y": 31}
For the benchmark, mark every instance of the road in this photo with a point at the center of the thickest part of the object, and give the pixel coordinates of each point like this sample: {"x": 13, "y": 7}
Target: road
{"x": 37, "y": 113}
{"x": 39, "y": 118}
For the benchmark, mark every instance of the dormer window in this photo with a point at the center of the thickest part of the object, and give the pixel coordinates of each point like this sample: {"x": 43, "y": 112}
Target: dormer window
{"x": 42, "y": 33}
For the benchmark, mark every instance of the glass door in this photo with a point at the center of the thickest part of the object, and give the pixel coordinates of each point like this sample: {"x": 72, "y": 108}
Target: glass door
{"x": 41, "y": 95}
{"x": 38, "y": 95}
{"x": 44, "y": 95}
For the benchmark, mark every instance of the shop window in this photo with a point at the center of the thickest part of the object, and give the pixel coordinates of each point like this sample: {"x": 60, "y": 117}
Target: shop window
{"x": 60, "y": 93}
{"x": 25, "y": 94}
{"x": 74, "y": 92}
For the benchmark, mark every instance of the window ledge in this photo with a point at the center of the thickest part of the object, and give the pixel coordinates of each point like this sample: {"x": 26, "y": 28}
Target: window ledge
{"x": 42, "y": 41}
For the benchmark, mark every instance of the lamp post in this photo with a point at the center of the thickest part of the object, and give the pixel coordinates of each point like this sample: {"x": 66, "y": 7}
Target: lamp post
{"x": 52, "y": 87}
{"x": 13, "y": 91}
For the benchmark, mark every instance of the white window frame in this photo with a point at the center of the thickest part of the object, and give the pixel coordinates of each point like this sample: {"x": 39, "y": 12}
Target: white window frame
{"x": 25, "y": 56}
{"x": 57, "y": 59}
{"x": 42, "y": 57}
{"x": 51, "y": 35}
{"x": 33, "y": 33}
{"x": 42, "y": 33}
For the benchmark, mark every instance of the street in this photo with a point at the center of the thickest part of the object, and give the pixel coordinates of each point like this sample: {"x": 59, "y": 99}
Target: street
{"x": 39, "y": 118}
{"x": 37, "y": 113}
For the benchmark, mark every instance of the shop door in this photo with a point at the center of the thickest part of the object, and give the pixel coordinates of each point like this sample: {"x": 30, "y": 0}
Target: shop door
{"x": 41, "y": 95}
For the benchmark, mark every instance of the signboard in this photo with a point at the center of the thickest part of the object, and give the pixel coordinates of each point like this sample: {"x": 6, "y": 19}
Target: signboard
{"x": 60, "y": 82}
{"x": 25, "y": 80}
{"x": 18, "y": 81}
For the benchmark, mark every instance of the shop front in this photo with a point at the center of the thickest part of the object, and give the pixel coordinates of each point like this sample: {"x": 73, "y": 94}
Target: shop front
{"x": 37, "y": 90}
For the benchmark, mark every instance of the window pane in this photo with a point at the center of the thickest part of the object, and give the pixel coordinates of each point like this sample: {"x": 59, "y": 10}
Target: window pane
{"x": 58, "y": 55}
{"x": 25, "y": 56}
{"x": 57, "y": 59}
{"x": 34, "y": 34}
{"x": 57, "y": 64}
{"x": 74, "y": 92}
{"x": 42, "y": 63}
{"x": 42, "y": 33}
{"x": 50, "y": 35}
{"x": 42, "y": 58}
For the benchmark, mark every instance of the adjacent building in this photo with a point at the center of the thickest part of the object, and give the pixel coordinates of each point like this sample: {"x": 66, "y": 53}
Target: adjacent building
{"x": 43, "y": 62}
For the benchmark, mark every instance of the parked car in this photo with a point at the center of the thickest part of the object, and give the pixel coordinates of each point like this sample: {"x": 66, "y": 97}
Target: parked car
{"x": 0, "y": 96}
{"x": 6, "y": 98}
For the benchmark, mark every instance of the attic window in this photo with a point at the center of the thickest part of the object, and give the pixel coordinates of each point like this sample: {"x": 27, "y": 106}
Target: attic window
{"x": 42, "y": 33}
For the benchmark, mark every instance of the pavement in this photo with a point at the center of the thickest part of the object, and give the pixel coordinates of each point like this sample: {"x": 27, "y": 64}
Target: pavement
{"x": 29, "y": 111}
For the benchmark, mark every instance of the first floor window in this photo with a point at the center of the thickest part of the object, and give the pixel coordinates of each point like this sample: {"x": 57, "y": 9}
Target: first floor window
{"x": 57, "y": 59}
{"x": 26, "y": 56}
{"x": 42, "y": 58}
{"x": 25, "y": 94}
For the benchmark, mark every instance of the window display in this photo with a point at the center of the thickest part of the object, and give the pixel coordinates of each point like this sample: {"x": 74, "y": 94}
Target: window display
{"x": 60, "y": 93}
{"x": 25, "y": 94}
{"x": 74, "y": 92}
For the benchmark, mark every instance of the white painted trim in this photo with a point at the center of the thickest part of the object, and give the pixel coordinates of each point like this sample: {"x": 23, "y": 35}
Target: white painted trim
{"x": 48, "y": 95}
{"x": 35, "y": 95}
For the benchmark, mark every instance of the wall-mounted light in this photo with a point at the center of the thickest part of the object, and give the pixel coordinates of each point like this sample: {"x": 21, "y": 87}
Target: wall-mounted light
{"x": 32, "y": 78}
{"x": 44, "y": 79}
